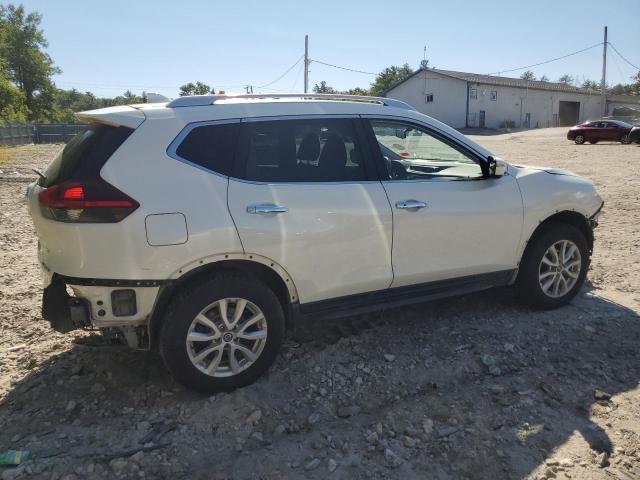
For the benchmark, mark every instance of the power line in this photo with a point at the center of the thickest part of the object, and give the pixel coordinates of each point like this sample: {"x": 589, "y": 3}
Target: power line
{"x": 344, "y": 68}
{"x": 546, "y": 61}
{"x": 281, "y": 76}
{"x": 622, "y": 57}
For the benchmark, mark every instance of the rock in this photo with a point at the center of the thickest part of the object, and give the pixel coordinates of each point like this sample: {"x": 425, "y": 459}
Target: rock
{"x": 409, "y": 442}
{"x": 15, "y": 348}
{"x": 509, "y": 347}
{"x": 392, "y": 459}
{"x": 97, "y": 388}
{"x": 313, "y": 418}
{"x": 589, "y": 329}
{"x": 427, "y": 426}
{"x": 389, "y": 358}
{"x": 312, "y": 464}
{"x": 602, "y": 460}
{"x": 254, "y": 417}
{"x": 566, "y": 462}
{"x": 11, "y": 473}
{"x": 143, "y": 426}
{"x": 71, "y": 406}
{"x": 118, "y": 465}
{"x": 371, "y": 437}
{"x": 279, "y": 430}
{"x": 332, "y": 465}
{"x": 490, "y": 362}
{"x": 138, "y": 456}
{"x": 601, "y": 395}
{"x": 257, "y": 436}
{"x": 345, "y": 411}
{"x": 447, "y": 431}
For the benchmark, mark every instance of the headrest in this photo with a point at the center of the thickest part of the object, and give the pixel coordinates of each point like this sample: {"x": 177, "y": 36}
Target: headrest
{"x": 309, "y": 148}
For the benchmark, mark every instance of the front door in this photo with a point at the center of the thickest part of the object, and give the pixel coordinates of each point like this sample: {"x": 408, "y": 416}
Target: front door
{"x": 482, "y": 118}
{"x": 448, "y": 221}
{"x": 304, "y": 198}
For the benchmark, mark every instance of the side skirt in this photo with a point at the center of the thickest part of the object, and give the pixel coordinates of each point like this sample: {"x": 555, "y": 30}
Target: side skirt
{"x": 399, "y": 296}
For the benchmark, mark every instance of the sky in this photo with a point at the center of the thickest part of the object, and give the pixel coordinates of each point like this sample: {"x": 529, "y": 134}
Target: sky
{"x": 107, "y": 47}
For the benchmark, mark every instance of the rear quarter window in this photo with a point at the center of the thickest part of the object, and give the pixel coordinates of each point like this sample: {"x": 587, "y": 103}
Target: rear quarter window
{"x": 211, "y": 146}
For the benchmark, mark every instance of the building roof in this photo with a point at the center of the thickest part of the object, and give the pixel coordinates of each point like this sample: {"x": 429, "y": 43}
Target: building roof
{"x": 515, "y": 82}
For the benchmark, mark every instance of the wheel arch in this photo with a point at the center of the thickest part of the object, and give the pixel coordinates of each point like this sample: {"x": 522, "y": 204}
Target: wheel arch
{"x": 570, "y": 217}
{"x": 266, "y": 270}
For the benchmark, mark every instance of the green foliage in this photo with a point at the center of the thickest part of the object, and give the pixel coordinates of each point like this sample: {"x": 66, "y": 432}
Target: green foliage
{"x": 13, "y": 108}
{"x": 69, "y": 101}
{"x": 566, "y": 79}
{"x": 388, "y": 77}
{"x": 544, "y": 78}
{"x": 590, "y": 85}
{"x": 323, "y": 88}
{"x": 198, "y": 88}
{"x": 28, "y": 66}
{"x": 528, "y": 75}
{"x": 356, "y": 91}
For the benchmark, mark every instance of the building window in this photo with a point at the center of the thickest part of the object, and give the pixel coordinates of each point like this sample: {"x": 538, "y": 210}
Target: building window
{"x": 494, "y": 95}
{"x": 473, "y": 93}
{"x": 428, "y": 98}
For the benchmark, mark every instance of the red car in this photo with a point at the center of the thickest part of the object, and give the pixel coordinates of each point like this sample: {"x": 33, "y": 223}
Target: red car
{"x": 599, "y": 131}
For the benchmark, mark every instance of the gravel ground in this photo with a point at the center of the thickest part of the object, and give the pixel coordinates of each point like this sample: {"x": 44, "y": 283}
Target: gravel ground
{"x": 476, "y": 388}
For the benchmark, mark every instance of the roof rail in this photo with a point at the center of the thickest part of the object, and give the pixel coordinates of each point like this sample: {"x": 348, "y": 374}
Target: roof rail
{"x": 203, "y": 100}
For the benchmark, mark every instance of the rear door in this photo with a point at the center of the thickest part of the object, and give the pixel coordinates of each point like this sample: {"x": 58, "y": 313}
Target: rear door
{"x": 303, "y": 195}
{"x": 448, "y": 220}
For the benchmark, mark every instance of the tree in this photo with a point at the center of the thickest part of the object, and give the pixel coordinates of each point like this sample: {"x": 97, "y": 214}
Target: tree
{"x": 566, "y": 79}
{"x": 388, "y": 77}
{"x": 356, "y": 91}
{"x": 590, "y": 85}
{"x": 528, "y": 75}
{"x": 323, "y": 88}
{"x": 13, "y": 108}
{"x": 198, "y": 88}
{"x": 28, "y": 66}
{"x": 544, "y": 78}
{"x": 424, "y": 64}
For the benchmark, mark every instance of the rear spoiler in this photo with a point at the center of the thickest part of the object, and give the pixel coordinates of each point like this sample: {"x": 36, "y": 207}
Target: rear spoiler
{"x": 122, "y": 115}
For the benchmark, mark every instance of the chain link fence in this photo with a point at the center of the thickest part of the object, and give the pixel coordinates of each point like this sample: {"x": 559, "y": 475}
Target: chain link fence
{"x": 21, "y": 134}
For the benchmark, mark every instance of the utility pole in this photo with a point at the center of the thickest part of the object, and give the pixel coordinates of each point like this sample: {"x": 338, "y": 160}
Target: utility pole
{"x": 603, "y": 84}
{"x": 249, "y": 89}
{"x": 306, "y": 63}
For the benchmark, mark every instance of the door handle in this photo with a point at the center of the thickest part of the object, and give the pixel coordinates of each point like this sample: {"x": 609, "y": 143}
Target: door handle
{"x": 411, "y": 204}
{"x": 266, "y": 208}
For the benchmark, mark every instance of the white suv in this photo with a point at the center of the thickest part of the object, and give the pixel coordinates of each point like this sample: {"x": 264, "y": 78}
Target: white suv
{"x": 210, "y": 225}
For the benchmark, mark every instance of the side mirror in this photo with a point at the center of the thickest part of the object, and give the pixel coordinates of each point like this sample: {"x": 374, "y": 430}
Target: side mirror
{"x": 497, "y": 167}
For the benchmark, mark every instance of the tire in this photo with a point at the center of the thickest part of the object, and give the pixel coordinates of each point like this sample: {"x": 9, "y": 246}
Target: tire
{"x": 625, "y": 140}
{"x": 580, "y": 139}
{"x": 225, "y": 291}
{"x": 533, "y": 273}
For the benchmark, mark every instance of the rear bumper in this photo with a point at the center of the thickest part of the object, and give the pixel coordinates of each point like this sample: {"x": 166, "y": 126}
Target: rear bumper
{"x": 98, "y": 302}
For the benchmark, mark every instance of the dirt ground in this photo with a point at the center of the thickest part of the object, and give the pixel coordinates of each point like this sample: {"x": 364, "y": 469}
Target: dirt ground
{"x": 471, "y": 388}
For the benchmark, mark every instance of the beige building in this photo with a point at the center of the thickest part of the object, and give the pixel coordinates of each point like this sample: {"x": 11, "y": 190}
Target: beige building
{"x": 471, "y": 100}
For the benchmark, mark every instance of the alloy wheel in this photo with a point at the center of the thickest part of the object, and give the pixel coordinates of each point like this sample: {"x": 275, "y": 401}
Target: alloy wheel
{"x": 226, "y": 337}
{"x": 559, "y": 268}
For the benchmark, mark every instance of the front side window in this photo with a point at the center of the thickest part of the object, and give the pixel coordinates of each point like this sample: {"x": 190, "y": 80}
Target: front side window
{"x": 318, "y": 150}
{"x": 412, "y": 153}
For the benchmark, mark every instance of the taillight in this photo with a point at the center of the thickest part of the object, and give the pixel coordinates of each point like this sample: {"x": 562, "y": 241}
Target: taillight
{"x": 89, "y": 201}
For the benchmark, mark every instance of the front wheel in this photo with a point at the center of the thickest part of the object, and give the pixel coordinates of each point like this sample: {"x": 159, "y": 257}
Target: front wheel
{"x": 223, "y": 334}
{"x": 579, "y": 139}
{"x": 626, "y": 140}
{"x": 554, "y": 267}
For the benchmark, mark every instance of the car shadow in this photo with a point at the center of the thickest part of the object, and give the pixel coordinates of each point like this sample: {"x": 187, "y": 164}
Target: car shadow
{"x": 514, "y": 381}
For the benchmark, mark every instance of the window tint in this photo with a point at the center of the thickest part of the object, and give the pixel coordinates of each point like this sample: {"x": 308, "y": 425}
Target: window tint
{"x": 301, "y": 151}
{"x": 85, "y": 154}
{"x": 412, "y": 153}
{"x": 211, "y": 146}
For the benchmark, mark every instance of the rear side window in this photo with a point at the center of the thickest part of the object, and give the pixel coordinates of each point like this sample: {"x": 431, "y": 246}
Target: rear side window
{"x": 318, "y": 150}
{"x": 210, "y": 146}
{"x": 86, "y": 153}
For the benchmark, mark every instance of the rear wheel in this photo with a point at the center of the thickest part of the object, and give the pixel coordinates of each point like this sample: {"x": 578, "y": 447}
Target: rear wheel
{"x": 223, "y": 334}
{"x": 554, "y": 267}
{"x": 579, "y": 139}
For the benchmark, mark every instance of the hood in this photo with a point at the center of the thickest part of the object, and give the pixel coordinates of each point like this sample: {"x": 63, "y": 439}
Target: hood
{"x": 552, "y": 171}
